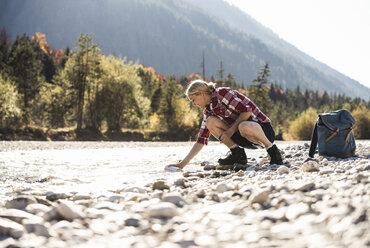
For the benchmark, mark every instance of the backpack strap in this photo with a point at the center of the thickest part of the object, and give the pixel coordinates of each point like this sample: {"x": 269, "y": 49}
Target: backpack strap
{"x": 313, "y": 142}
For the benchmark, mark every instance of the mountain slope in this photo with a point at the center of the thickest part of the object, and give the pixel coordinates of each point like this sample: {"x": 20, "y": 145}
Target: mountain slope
{"x": 171, "y": 35}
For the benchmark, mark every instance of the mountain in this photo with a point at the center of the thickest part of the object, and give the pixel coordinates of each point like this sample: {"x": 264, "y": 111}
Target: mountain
{"x": 172, "y": 35}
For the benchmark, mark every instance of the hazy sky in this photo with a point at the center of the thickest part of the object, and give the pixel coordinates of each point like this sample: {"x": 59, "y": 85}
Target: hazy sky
{"x": 335, "y": 32}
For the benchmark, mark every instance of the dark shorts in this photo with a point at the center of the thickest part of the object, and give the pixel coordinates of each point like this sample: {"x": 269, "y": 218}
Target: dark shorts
{"x": 241, "y": 141}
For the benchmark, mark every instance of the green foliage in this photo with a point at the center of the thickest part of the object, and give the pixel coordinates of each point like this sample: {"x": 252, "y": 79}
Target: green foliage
{"x": 301, "y": 128}
{"x": 26, "y": 72}
{"x": 362, "y": 118}
{"x": 5, "y": 46}
{"x": 99, "y": 93}
{"x": 53, "y": 105}
{"x": 82, "y": 69}
{"x": 124, "y": 102}
{"x": 258, "y": 91}
{"x": 166, "y": 108}
{"x": 10, "y": 113}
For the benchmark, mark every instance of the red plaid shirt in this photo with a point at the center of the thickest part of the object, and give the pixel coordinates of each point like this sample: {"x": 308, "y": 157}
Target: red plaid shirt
{"x": 227, "y": 104}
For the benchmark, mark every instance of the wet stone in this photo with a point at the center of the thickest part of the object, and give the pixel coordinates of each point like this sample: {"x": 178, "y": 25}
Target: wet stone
{"x": 20, "y": 202}
{"x": 160, "y": 185}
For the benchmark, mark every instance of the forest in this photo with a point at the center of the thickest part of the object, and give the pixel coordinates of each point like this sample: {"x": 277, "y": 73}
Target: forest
{"x": 83, "y": 94}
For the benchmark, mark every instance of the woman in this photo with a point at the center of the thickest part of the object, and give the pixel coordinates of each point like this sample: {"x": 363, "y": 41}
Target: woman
{"x": 232, "y": 118}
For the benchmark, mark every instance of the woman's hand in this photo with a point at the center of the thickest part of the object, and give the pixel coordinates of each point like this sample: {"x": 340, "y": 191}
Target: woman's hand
{"x": 179, "y": 165}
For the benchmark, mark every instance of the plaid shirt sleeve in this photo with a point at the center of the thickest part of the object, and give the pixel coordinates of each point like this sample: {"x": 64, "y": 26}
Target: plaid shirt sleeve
{"x": 204, "y": 133}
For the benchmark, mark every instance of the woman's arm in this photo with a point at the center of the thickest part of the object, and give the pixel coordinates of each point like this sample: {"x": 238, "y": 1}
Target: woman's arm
{"x": 194, "y": 151}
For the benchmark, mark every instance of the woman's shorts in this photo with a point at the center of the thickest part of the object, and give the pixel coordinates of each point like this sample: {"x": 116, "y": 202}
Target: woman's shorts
{"x": 241, "y": 141}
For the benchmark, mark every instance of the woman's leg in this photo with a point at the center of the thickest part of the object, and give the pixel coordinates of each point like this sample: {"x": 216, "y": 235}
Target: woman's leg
{"x": 253, "y": 132}
{"x": 216, "y": 127}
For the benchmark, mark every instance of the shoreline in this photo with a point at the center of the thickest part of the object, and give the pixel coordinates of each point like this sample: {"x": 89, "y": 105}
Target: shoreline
{"x": 319, "y": 203}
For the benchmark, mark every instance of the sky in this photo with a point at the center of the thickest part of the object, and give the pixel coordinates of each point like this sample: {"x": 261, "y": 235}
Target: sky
{"x": 335, "y": 32}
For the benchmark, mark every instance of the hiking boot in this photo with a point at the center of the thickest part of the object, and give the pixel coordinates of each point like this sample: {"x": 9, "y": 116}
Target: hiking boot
{"x": 235, "y": 155}
{"x": 275, "y": 155}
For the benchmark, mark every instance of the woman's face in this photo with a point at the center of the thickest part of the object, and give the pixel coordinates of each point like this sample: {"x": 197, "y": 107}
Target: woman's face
{"x": 200, "y": 99}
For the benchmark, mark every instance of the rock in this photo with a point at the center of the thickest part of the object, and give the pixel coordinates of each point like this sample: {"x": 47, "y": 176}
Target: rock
{"x": 19, "y": 215}
{"x": 260, "y": 197}
{"x": 240, "y": 173}
{"x": 69, "y": 211}
{"x": 174, "y": 198}
{"x": 295, "y": 210}
{"x": 161, "y": 185}
{"x": 326, "y": 171}
{"x": 310, "y": 166}
{"x": 116, "y": 198}
{"x": 136, "y": 190}
{"x": 222, "y": 187}
{"x": 201, "y": 193}
{"x": 209, "y": 167}
{"x": 81, "y": 197}
{"x": 180, "y": 183}
{"x": 305, "y": 186}
{"x": 10, "y": 228}
{"x": 20, "y": 202}
{"x": 163, "y": 210}
{"x": 37, "y": 228}
{"x": 37, "y": 208}
{"x": 52, "y": 214}
{"x": 132, "y": 222}
{"x": 56, "y": 196}
{"x": 283, "y": 170}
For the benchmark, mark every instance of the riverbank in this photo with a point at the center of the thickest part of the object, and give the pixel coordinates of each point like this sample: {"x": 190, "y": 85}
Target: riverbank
{"x": 319, "y": 203}
{"x": 34, "y": 133}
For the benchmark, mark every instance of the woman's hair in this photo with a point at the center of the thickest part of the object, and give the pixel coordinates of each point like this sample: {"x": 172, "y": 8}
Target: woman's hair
{"x": 200, "y": 86}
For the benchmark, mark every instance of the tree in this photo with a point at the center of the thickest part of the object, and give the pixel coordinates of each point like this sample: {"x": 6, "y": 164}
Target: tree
{"x": 26, "y": 72}
{"x": 362, "y": 118}
{"x": 5, "y": 46}
{"x": 203, "y": 66}
{"x": 301, "y": 128}
{"x": 221, "y": 71}
{"x": 259, "y": 91}
{"x": 166, "y": 108}
{"x": 124, "y": 102}
{"x": 9, "y": 110}
{"x": 80, "y": 70}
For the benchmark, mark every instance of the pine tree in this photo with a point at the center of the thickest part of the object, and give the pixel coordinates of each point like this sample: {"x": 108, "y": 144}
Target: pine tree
{"x": 26, "y": 72}
{"x": 259, "y": 91}
{"x": 5, "y": 46}
{"x": 221, "y": 71}
{"x": 81, "y": 71}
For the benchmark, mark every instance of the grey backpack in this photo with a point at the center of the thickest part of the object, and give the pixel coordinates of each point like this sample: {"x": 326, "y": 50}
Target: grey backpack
{"x": 333, "y": 135}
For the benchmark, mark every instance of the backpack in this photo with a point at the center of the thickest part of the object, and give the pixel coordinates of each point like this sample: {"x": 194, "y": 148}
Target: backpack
{"x": 333, "y": 134}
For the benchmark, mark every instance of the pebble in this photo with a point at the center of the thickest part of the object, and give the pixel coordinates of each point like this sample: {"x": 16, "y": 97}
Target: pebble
{"x": 56, "y": 196}
{"x": 161, "y": 185}
{"x": 310, "y": 166}
{"x": 260, "y": 197}
{"x": 69, "y": 211}
{"x": 163, "y": 210}
{"x": 20, "y": 202}
{"x": 10, "y": 228}
{"x": 283, "y": 170}
{"x": 174, "y": 198}
{"x": 305, "y": 186}
{"x": 261, "y": 206}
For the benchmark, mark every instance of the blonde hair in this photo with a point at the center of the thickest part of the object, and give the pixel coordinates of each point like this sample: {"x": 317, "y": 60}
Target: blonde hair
{"x": 198, "y": 86}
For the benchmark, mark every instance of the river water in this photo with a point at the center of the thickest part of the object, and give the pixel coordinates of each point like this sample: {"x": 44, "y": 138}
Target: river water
{"x": 95, "y": 167}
